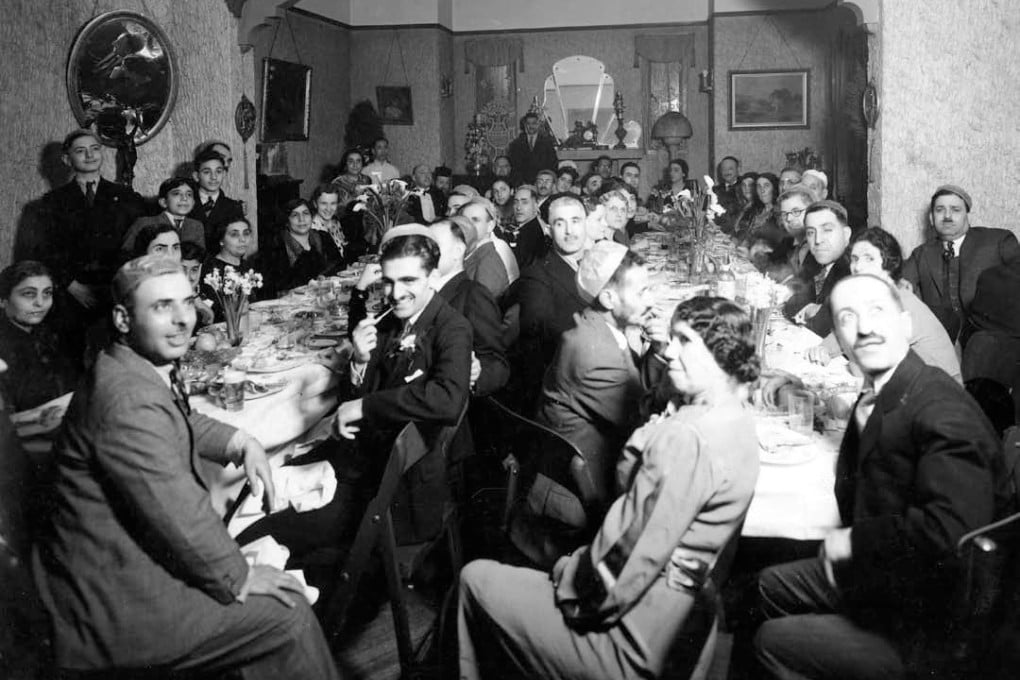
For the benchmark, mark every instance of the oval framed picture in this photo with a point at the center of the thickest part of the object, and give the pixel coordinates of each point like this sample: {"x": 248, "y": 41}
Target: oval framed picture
{"x": 122, "y": 76}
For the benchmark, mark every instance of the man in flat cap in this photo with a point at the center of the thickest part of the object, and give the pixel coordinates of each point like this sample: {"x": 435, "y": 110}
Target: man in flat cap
{"x": 944, "y": 271}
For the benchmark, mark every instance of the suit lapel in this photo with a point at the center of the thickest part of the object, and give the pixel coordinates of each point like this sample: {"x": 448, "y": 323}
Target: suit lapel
{"x": 892, "y": 396}
{"x": 563, "y": 275}
{"x": 933, "y": 253}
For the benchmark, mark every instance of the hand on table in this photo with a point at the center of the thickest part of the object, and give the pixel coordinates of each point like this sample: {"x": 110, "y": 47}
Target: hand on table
{"x": 266, "y": 580}
{"x": 818, "y": 354}
{"x": 347, "y": 414}
{"x": 369, "y": 277}
{"x": 806, "y": 313}
{"x": 83, "y": 294}
{"x": 249, "y": 452}
{"x": 775, "y": 386}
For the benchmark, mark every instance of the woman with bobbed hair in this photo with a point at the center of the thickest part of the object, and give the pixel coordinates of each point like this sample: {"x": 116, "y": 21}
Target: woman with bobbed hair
{"x": 876, "y": 251}
{"x": 38, "y": 369}
{"x": 614, "y": 608}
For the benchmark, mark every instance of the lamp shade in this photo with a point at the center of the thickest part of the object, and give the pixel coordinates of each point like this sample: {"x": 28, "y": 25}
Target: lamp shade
{"x": 671, "y": 128}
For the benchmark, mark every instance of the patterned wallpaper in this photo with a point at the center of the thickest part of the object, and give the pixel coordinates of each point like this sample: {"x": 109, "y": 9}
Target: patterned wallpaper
{"x": 36, "y": 39}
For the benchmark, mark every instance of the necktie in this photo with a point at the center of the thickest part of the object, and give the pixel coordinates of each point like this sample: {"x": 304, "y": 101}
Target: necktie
{"x": 865, "y": 405}
{"x": 531, "y": 142}
{"x": 180, "y": 391}
{"x": 90, "y": 193}
{"x": 178, "y": 223}
{"x": 208, "y": 206}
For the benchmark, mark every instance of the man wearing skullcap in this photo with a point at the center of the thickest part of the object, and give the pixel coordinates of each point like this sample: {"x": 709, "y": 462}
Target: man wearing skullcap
{"x": 590, "y": 395}
{"x": 944, "y": 271}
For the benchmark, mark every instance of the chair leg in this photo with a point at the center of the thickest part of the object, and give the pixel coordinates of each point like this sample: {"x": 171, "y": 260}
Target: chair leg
{"x": 398, "y": 604}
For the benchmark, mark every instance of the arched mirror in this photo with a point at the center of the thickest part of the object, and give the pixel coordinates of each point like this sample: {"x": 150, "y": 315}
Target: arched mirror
{"x": 580, "y": 91}
{"x": 122, "y": 75}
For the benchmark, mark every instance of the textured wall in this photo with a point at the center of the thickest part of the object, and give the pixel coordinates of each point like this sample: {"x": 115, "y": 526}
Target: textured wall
{"x": 35, "y": 40}
{"x": 370, "y": 51}
{"x": 326, "y": 48}
{"x": 779, "y": 41}
{"x": 615, "y": 49}
{"x": 949, "y": 110}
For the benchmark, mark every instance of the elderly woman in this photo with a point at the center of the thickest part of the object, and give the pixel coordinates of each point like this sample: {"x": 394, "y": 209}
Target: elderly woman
{"x": 298, "y": 254}
{"x": 37, "y": 367}
{"x": 614, "y": 214}
{"x": 613, "y": 609}
{"x": 876, "y": 251}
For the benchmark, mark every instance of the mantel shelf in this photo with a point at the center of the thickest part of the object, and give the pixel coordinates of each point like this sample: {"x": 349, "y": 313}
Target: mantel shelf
{"x": 592, "y": 154}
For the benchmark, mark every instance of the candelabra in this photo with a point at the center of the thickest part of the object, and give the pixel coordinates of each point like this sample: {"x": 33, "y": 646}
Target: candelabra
{"x": 618, "y": 109}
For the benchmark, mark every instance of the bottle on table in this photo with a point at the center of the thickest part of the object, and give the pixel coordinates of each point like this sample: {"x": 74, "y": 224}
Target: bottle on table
{"x": 726, "y": 282}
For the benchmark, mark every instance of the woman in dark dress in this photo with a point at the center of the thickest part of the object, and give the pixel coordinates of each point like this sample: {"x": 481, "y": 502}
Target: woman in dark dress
{"x": 299, "y": 253}
{"x": 234, "y": 238}
{"x": 38, "y": 369}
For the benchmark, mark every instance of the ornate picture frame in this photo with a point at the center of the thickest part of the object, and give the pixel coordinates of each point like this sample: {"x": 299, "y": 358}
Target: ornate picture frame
{"x": 286, "y": 101}
{"x": 770, "y": 100}
{"x": 122, "y": 77}
{"x": 394, "y": 105}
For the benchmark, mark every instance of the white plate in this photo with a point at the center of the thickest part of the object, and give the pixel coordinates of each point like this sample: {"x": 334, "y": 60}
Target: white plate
{"x": 273, "y": 365}
{"x": 321, "y": 343}
{"x": 269, "y": 304}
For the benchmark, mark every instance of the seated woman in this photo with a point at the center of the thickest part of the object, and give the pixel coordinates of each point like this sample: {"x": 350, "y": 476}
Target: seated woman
{"x": 37, "y": 366}
{"x": 615, "y": 207}
{"x": 161, "y": 240}
{"x": 347, "y": 185}
{"x": 758, "y": 217}
{"x": 502, "y": 198}
{"x": 234, "y": 238}
{"x": 876, "y": 251}
{"x": 350, "y": 242}
{"x": 613, "y": 609}
{"x": 298, "y": 253}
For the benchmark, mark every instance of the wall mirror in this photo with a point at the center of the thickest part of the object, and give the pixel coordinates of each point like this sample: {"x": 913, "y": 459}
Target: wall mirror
{"x": 122, "y": 75}
{"x": 580, "y": 90}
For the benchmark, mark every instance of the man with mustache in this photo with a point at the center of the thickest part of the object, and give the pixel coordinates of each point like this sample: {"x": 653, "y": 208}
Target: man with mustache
{"x": 591, "y": 395}
{"x": 919, "y": 466}
{"x": 944, "y": 271}
{"x": 827, "y": 234}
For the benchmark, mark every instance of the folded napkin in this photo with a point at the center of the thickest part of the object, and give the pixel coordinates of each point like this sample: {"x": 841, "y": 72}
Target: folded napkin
{"x": 774, "y": 434}
{"x": 266, "y": 551}
{"x": 302, "y": 487}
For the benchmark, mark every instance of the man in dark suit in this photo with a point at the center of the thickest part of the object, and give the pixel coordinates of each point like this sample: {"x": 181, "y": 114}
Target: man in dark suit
{"x": 591, "y": 396}
{"x": 991, "y": 336}
{"x": 531, "y": 151}
{"x": 548, "y": 294}
{"x": 135, "y": 568}
{"x": 726, "y": 189}
{"x": 428, "y": 203}
{"x": 83, "y": 224}
{"x": 527, "y": 237}
{"x": 944, "y": 271}
{"x": 213, "y": 209}
{"x": 828, "y": 234}
{"x": 918, "y": 468}
{"x": 489, "y": 367}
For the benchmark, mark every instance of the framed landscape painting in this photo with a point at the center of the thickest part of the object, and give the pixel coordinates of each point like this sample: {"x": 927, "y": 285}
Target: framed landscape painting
{"x": 764, "y": 100}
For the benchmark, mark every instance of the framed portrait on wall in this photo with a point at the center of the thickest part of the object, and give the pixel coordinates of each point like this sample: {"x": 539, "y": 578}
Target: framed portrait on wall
{"x": 767, "y": 100}
{"x": 394, "y": 105}
{"x": 286, "y": 95}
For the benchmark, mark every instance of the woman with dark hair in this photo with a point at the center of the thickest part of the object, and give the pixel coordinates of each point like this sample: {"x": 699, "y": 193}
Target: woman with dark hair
{"x": 759, "y": 216}
{"x": 298, "y": 254}
{"x": 614, "y": 608}
{"x": 161, "y": 240}
{"x": 234, "y": 238}
{"x": 665, "y": 195}
{"x": 876, "y": 251}
{"x": 351, "y": 176}
{"x": 502, "y": 197}
{"x": 37, "y": 366}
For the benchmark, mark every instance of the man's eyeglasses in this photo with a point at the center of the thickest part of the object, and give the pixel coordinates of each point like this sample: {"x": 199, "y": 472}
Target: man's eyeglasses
{"x": 787, "y": 214}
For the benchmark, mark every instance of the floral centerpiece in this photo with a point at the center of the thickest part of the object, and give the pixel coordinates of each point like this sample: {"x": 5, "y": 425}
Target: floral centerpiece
{"x": 232, "y": 290}
{"x": 382, "y": 205}
{"x": 692, "y": 217}
{"x": 762, "y": 295}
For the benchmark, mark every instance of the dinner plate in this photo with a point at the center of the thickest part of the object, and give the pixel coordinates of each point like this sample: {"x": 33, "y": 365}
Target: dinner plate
{"x": 321, "y": 342}
{"x": 268, "y": 304}
{"x": 274, "y": 364}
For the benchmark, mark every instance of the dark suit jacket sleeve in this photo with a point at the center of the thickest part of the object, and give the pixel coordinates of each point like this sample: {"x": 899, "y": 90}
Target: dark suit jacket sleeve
{"x": 596, "y": 379}
{"x": 487, "y": 324}
{"x": 1009, "y": 248}
{"x": 160, "y": 491}
{"x": 436, "y": 397}
{"x": 953, "y": 494}
{"x": 211, "y": 437}
{"x": 536, "y": 303}
{"x": 911, "y": 271}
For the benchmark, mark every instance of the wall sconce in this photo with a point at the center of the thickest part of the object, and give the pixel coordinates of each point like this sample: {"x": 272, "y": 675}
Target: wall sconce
{"x": 445, "y": 87}
{"x": 706, "y": 82}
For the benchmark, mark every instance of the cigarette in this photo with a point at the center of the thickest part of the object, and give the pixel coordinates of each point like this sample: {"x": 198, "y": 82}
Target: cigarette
{"x": 385, "y": 312}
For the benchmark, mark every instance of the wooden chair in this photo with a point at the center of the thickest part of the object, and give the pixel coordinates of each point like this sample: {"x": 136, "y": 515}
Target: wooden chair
{"x": 376, "y": 533}
{"x": 538, "y": 450}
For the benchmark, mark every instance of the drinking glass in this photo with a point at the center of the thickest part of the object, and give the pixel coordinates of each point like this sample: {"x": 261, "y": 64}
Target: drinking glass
{"x": 234, "y": 377}
{"x": 801, "y": 411}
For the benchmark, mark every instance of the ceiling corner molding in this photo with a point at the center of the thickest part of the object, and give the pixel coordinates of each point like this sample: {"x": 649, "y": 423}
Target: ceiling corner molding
{"x": 253, "y": 14}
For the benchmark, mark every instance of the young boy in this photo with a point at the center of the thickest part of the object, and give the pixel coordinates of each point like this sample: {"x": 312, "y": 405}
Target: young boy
{"x": 176, "y": 198}
{"x": 213, "y": 208}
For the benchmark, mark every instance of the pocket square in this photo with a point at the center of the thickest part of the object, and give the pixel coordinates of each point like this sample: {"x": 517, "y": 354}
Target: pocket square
{"x": 414, "y": 376}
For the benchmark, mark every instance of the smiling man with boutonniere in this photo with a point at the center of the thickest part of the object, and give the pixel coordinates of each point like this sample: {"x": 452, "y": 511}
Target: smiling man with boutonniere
{"x": 409, "y": 363}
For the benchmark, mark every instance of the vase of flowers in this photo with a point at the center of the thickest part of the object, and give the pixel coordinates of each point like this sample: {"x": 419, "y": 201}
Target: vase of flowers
{"x": 232, "y": 290}
{"x": 692, "y": 217}
{"x": 382, "y": 206}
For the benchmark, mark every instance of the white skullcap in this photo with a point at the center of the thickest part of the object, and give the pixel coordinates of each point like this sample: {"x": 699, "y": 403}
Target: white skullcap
{"x": 597, "y": 267}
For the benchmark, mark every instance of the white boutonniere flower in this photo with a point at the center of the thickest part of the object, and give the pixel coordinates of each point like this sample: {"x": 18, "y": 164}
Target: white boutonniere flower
{"x": 407, "y": 343}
